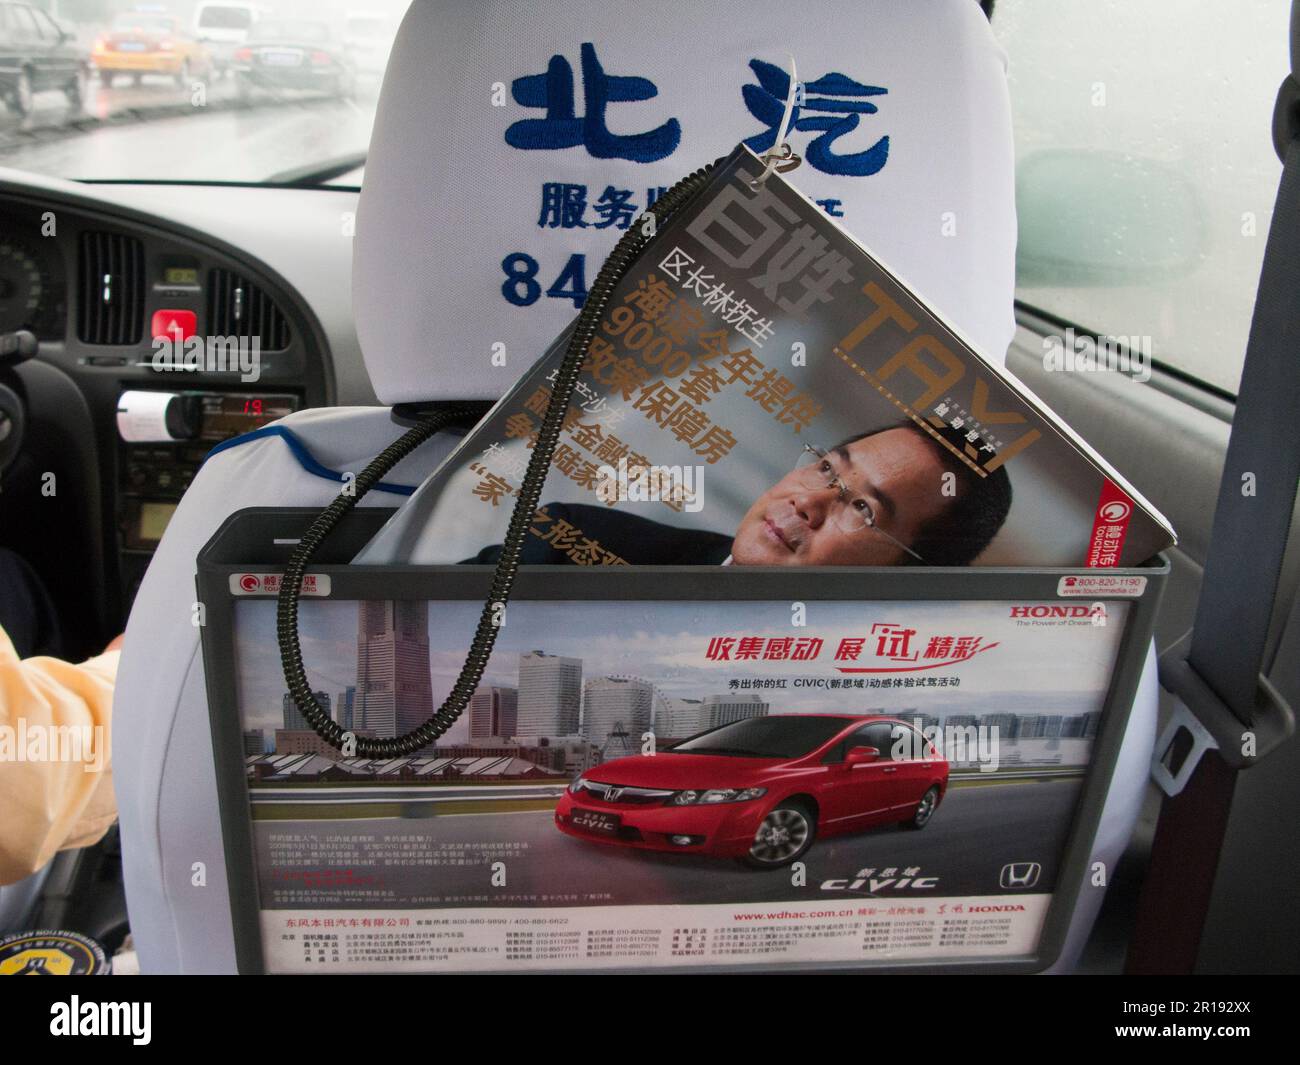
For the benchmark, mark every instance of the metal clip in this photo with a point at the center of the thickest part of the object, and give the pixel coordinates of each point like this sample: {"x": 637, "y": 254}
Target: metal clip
{"x": 781, "y": 163}
{"x": 1171, "y": 769}
{"x": 781, "y": 157}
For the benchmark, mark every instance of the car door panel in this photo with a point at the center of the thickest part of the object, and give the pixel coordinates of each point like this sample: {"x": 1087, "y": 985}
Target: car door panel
{"x": 851, "y": 794}
{"x": 1146, "y": 432}
{"x": 915, "y": 771}
{"x": 58, "y": 56}
{"x": 873, "y": 786}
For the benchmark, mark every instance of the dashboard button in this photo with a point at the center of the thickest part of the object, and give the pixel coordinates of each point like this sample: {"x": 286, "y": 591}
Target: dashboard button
{"x": 173, "y": 324}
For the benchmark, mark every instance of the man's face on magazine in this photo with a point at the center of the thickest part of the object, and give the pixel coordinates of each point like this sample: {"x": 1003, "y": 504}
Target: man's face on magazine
{"x": 897, "y": 472}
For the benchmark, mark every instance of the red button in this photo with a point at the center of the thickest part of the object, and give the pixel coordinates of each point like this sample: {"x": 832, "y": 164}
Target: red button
{"x": 174, "y": 325}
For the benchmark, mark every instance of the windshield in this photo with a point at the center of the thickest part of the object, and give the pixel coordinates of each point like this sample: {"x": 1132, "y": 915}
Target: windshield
{"x": 264, "y": 93}
{"x": 152, "y": 23}
{"x": 765, "y": 737}
{"x": 314, "y": 32}
{"x": 225, "y": 18}
{"x": 364, "y": 26}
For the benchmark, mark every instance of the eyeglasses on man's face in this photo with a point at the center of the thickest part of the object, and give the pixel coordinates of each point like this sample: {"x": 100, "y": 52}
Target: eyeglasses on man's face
{"x": 820, "y": 470}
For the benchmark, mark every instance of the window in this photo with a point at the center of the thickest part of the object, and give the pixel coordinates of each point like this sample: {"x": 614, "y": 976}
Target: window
{"x": 145, "y": 22}
{"x": 874, "y": 735}
{"x": 909, "y": 744}
{"x": 764, "y": 737}
{"x": 1145, "y": 170}
{"x": 139, "y": 108}
{"x": 310, "y": 32}
{"x": 225, "y": 18}
{"x": 22, "y": 27}
{"x": 880, "y": 736}
{"x": 45, "y": 26}
{"x": 838, "y": 752}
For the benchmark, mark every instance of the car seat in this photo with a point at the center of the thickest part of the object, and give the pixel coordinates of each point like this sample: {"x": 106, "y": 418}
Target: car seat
{"x": 510, "y": 144}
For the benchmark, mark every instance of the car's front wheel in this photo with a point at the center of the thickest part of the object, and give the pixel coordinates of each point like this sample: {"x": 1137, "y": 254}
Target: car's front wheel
{"x": 784, "y": 836}
{"x": 75, "y": 90}
{"x": 924, "y": 810}
{"x": 23, "y": 95}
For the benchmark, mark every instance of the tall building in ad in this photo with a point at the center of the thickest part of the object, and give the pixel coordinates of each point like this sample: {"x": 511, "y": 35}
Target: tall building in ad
{"x": 346, "y": 707}
{"x": 678, "y": 718}
{"x": 1006, "y": 725}
{"x": 550, "y": 695}
{"x": 921, "y": 721}
{"x": 493, "y": 712}
{"x": 608, "y": 702}
{"x": 1032, "y": 727}
{"x": 293, "y": 718}
{"x": 733, "y": 706}
{"x": 394, "y": 687}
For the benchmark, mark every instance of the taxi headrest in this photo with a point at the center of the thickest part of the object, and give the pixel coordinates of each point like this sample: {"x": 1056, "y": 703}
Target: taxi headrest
{"x": 514, "y": 143}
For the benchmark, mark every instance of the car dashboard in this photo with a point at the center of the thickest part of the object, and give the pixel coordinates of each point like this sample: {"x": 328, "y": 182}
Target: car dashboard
{"x": 98, "y": 271}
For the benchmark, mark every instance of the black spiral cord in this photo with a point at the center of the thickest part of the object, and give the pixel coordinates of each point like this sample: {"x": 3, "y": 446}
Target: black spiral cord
{"x": 611, "y": 273}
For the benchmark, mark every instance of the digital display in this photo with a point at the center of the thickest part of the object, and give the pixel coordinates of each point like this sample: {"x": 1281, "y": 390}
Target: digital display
{"x": 153, "y": 520}
{"x": 181, "y": 275}
{"x": 234, "y": 413}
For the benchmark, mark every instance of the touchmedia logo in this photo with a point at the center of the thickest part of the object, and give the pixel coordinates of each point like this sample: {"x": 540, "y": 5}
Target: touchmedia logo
{"x": 1114, "y": 511}
{"x": 75, "y": 1017}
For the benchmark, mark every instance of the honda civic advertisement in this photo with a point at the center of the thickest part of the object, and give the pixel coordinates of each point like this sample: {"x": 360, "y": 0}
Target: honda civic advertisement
{"x": 670, "y": 783}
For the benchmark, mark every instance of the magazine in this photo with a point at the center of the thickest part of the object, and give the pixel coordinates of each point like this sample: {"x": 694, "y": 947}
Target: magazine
{"x": 762, "y": 391}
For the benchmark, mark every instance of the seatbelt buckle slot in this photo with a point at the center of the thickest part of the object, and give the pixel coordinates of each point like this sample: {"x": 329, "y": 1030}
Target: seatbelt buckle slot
{"x": 1179, "y": 749}
{"x": 1212, "y": 723}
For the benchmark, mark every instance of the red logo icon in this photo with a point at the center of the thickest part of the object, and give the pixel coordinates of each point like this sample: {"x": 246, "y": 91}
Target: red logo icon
{"x": 1115, "y": 511}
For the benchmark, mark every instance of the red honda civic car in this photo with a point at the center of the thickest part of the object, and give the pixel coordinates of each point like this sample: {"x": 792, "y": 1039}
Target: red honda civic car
{"x": 761, "y": 789}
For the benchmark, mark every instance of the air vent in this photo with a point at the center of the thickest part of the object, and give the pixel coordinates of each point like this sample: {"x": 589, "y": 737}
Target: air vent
{"x": 238, "y": 308}
{"x": 111, "y": 305}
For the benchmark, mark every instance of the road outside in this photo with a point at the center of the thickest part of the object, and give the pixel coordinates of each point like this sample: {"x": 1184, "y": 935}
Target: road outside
{"x": 157, "y": 131}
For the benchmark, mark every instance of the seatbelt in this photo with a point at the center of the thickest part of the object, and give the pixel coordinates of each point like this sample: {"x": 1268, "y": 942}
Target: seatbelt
{"x": 1227, "y": 715}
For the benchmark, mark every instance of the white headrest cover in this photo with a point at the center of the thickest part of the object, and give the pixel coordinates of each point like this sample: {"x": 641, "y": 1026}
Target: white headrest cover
{"x": 505, "y": 125}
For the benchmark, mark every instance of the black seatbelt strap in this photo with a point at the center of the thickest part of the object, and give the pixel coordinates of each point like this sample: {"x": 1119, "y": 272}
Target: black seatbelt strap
{"x": 1227, "y": 715}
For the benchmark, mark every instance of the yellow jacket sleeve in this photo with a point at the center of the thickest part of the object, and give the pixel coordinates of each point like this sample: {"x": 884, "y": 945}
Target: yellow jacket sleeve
{"x": 56, "y": 776}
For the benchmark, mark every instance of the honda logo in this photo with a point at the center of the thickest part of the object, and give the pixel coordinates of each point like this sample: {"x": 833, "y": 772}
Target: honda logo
{"x": 1020, "y": 875}
{"x": 612, "y": 794}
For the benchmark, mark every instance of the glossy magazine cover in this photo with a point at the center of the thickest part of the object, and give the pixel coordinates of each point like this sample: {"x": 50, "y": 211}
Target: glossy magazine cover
{"x": 761, "y": 391}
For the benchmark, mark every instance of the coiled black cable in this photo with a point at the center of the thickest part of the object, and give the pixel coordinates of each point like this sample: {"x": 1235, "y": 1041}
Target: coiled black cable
{"x": 615, "y": 267}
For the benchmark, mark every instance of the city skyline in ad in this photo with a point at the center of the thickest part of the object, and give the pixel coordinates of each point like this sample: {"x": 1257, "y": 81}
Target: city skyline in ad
{"x": 1017, "y": 669}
